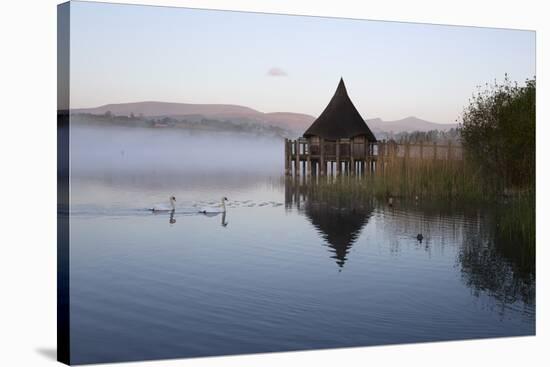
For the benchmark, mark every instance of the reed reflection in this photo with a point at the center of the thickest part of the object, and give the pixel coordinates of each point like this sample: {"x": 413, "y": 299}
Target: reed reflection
{"x": 498, "y": 258}
{"x": 495, "y": 254}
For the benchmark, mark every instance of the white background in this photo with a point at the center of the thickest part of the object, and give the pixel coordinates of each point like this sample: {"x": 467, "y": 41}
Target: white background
{"x": 28, "y": 183}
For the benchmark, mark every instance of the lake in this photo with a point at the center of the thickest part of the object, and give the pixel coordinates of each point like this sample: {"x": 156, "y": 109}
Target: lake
{"x": 283, "y": 270}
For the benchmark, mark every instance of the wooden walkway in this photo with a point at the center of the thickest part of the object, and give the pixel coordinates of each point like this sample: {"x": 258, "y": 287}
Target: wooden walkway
{"x": 357, "y": 156}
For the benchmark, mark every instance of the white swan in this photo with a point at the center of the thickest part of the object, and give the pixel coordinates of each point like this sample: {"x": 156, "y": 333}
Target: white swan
{"x": 214, "y": 209}
{"x": 164, "y": 207}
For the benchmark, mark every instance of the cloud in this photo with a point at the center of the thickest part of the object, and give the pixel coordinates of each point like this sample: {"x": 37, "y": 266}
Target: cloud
{"x": 274, "y": 71}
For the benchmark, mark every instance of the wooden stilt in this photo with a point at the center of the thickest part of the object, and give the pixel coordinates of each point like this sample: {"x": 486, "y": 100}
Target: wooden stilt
{"x": 352, "y": 160}
{"x": 322, "y": 166}
{"x": 338, "y": 163}
{"x": 287, "y": 170}
{"x": 297, "y": 157}
{"x": 360, "y": 159}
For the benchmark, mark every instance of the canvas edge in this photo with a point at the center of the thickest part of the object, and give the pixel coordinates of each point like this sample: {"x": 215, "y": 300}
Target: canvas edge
{"x": 63, "y": 182}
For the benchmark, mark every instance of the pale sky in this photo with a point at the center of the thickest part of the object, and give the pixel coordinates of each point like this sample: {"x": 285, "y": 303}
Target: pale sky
{"x": 281, "y": 63}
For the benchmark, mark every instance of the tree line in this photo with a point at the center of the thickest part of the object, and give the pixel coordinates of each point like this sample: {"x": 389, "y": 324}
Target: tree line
{"x": 498, "y": 132}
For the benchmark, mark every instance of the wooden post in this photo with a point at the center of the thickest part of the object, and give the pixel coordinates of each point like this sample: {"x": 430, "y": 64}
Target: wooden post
{"x": 375, "y": 160}
{"x": 286, "y": 158}
{"x": 381, "y": 157}
{"x": 393, "y": 147}
{"x": 367, "y": 154}
{"x": 338, "y": 164}
{"x": 308, "y": 157}
{"x": 297, "y": 162}
{"x": 351, "y": 158}
{"x": 322, "y": 164}
{"x": 290, "y": 157}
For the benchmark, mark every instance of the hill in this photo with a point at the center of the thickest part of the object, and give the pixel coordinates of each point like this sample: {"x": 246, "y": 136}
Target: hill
{"x": 407, "y": 124}
{"x": 297, "y": 122}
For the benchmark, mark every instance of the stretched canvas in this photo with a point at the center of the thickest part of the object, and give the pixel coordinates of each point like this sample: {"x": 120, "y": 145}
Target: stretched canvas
{"x": 233, "y": 182}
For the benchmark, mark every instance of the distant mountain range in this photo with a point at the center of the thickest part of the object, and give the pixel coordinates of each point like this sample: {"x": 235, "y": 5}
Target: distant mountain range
{"x": 297, "y": 122}
{"x": 407, "y": 124}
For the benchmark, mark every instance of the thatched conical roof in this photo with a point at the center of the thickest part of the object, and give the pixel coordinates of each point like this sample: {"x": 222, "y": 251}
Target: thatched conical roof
{"x": 340, "y": 119}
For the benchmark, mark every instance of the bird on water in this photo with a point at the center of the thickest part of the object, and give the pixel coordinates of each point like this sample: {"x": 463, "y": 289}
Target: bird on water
{"x": 165, "y": 207}
{"x": 215, "y": 209}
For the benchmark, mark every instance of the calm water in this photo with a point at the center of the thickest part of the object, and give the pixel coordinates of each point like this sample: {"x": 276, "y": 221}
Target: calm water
{"x": 282, "y": 270}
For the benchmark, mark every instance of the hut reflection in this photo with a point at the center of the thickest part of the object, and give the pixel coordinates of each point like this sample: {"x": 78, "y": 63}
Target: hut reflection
{"x": 339, "y": 221}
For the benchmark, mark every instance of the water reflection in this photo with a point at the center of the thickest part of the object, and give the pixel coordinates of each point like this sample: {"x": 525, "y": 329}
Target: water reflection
{"x": 172, "y": 216}
{"x": 225, "y": 289}
{"x": 338, "y": 220}
{"x": 492, "y": 260}
{"x": 172, "y": 219}
{"x": 499, "y": 261}
{"x": 224, "y": 222}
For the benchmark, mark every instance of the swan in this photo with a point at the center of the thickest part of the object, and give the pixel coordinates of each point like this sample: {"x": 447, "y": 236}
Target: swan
{"x": 164, "y": 207}
{"x": 214, "y": 209}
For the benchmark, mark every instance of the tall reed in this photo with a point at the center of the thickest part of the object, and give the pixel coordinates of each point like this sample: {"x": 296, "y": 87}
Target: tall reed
{"x": 428, "y": 179}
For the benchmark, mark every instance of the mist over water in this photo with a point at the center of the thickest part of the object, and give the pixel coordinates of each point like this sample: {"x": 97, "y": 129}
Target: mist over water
{"x": 118, "y": 150}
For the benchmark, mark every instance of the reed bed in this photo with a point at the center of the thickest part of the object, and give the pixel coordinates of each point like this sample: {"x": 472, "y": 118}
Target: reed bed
{"x": 446, "y": 180}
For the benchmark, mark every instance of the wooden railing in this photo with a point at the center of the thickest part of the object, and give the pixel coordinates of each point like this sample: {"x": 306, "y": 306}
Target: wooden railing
{"x": 358, "y": 156}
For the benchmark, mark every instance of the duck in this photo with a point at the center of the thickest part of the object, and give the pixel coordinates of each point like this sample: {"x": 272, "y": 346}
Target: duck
{"x": 419, "y": 237}
{"x": 165, "y": 207}
{"x": 215, "y": 209}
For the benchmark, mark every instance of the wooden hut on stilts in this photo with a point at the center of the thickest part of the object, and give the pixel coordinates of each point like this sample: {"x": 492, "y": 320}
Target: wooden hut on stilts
{"x": 337, "y": 142}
